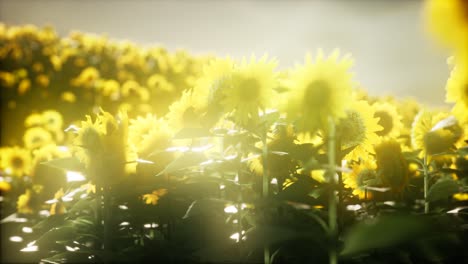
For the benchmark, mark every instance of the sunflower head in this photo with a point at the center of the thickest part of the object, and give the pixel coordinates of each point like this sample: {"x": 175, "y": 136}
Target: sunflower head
{"x": 362, "y": 173}
{"x": 186, "y": 112}
{"x": 36, "y": 137}
{"x": 15, "y": 161}
{"x": 457, "y": 92}
{"x": 389, "y": 119}
{"x": 52, "y": 120}
{"x": 321, "y": 88}
{"x": 392, "y": 167}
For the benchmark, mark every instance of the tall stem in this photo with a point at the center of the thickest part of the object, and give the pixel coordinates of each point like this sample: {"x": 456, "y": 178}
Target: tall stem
{"x": 426, "y": 184}
{"x": 332, "y": 202}
{"x": 106, "y": 196}
{"x": 265, "y": 189}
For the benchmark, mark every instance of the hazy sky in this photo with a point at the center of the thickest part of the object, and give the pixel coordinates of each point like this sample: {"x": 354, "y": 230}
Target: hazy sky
{"x": 392, "y": 53}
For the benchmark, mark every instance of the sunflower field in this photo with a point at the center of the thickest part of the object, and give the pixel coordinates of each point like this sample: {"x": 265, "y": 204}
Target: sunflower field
{"x": 114, "y": 153}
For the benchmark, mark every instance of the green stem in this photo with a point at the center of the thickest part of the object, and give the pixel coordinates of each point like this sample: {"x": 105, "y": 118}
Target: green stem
{"x": 265, "y": 189}
{"x": 99, "y": 211}
{"x": 332, "y": 202}
{"x": 426, "y": 184}
{"x": 107, "y": 223}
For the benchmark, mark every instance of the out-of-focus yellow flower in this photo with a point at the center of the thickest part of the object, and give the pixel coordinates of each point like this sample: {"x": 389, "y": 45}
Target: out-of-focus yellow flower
{"x": 358, "y": 129}
{"x": 5, "y": 186}
{"x": 160, "y": 82}
{"x": 43, "y": 80}
{"x": 38, "y": 67}
{"x": 407, "y": 109}
{"x": 109, "y": 88}
{"x": 322, "y": 88}
{"x": 250, "y": 90}
{"x": 33, "y": 120}
{"x": 389, "y": 119}
{"x": 68, "y": 97}
{"x": 148, "y": 134}
{"x": 36, "y": 137}
{"x": 133, "y": 89}
{"x": 362, "y": 172}
{"x": 53, "y": 120}
{"x": 392, "y": 166}
{"x": 86, "y": 78}
{"x": 24, "y": 86}
{"x": 457, "y": 92}
{"x": 153, "y": 198}
{"x": 16, "y": 161}
{"x": 7, "y": 79}
{"x": 23, "y": 204}
{"x": 56, "y": 62}
{"x": 448, "y": 21}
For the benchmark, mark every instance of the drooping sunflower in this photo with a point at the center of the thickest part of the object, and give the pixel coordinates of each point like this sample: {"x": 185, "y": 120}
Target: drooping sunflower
{"x": 36, "y": 137}
{"x": 16, "y": 161}
{"x": 457, "y": 92}
{"x": 362, "y": 173}
{"x": 389, "y": 119}
{"x": 250, "y": 90}
{"x": 321, "y": 88}
{"x": 358, "y": 129}
{"x": 434, "y": 132}
{"x": 392, "y": 167}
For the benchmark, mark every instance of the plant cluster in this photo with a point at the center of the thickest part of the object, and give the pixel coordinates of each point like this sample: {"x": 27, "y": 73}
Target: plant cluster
{"x": 236, "y": 162}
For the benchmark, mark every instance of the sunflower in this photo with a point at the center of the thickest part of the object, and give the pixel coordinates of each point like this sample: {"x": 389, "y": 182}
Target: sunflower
{"x": 250, "y": 90}
{"x": 358, "y": 129}
{"x": 392, "y": 166}
{"x": 16, "y": 161}
{"x": 149, "y": 133}
{"x": 362, "y": 173}
{"x": 153, "y": 198}
{"x": 102, "y": 147}
{"x": 448, "y": 21}
{"x": 52, "y": 120}
{"x": 389, "y": 119}
{"x": 36, "y": 137}
{"x": 132, "y": 89}
{"x": 208, "y": 88}
{"x": 86, "y": 78}
{"x": 457, "y": 92}
{"x": 23, "y": 204}
{"x": 321, "y": 88}
{"x": 33, "y": 120}
{"x": 434, "y": 132}
{"x": 186, "y": 112}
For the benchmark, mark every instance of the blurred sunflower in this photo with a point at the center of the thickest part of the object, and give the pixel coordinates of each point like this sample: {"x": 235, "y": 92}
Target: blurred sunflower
{"x": 392, "y": 167}
{"x": 33, "y": 120}
{"x": 358, "y": 129}
{"x": 186, "y": 112}
{"x": 132, "y": 89}
{"x": 210, "y": 85}
{"x": 36, "y": 137}
{"x": 86, "y": 78}
{"x": 23, "y": 204}
{"x": 448, "y": 21}
{"x": 434, "y": 132}
{"x": 362, "y": 174}
{"x": 148, "y": 134}
{"x": 389, "y": 119}
{"x": 321, "y": 88}
{"x": 153, "y": 198}
{"x": 250, "y": 90}
{"x": 52, "y": 120}
{"x": 47, "y": 153}
{"x": 457, "y": 92}
{"x": 102, "y": 147}
{"x": 16, "y": 161}
{"x": 58, "y": 207}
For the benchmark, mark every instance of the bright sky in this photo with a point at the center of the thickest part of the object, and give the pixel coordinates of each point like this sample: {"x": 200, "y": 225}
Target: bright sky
{"x": 392, "y": 53}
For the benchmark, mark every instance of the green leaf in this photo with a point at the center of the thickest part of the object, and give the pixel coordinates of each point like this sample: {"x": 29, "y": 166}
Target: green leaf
{"x": 69, "y": 164}
{"x": 384, "y": 232}
{"x": 56, "y": 234}
{"x": 204, "y": 207}
{"x": 185, "y": 161}
{"x": 442, "y": 189}
{"x": 70, "y": 257}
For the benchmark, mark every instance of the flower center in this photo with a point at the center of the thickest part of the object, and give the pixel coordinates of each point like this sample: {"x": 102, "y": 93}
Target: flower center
{"x": 317, "y": 93}
{"x": 17, "y": 162}
{"x": 249, "y": 89}
{"x": 352, "y": 130}
{"x": 386, "y": 121}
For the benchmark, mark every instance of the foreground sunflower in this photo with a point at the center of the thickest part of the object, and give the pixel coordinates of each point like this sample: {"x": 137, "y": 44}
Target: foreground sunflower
{"x": 250, "y": 90}
{"x": 320, "y": 88}
{"x": 457, "y": 92}
{"x": 358, "y": 129}
{"x": 448, "y": 21}
{"x": 389, "y": 119}
{"x": 186, "y": 112}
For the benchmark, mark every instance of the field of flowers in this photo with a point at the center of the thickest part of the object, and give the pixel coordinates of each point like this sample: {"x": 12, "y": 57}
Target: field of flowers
{"x": 111, "y": 152}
